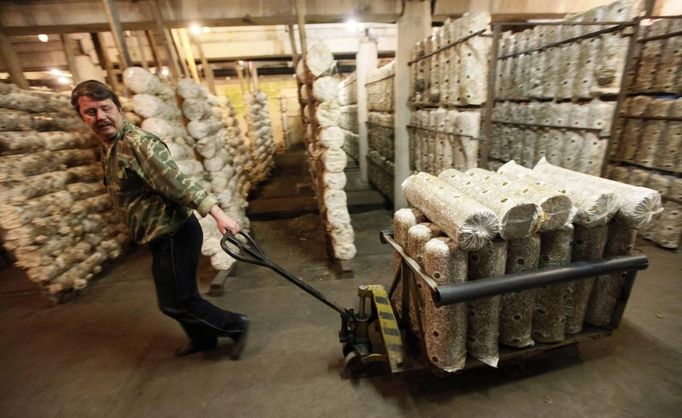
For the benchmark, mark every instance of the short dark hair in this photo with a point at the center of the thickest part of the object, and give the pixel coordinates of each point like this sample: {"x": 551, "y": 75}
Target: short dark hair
{"x": 95, "y": 90}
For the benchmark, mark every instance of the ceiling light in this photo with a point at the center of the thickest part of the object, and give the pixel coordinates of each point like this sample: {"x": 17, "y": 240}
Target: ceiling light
{"x": 195, "y": 29}
{"x": 43, "y": 37}
{"x": 63, "y": 80}
{"x": 164, "y": 71}
{"x": 352, "y": 25}
{"x": 55, "y": 71}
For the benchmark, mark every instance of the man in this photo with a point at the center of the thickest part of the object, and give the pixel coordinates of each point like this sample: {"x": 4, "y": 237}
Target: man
{"x": 155, "y": 201}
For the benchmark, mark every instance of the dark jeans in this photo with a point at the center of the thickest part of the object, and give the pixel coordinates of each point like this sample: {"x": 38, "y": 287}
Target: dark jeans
{"x": 174, "y": 269}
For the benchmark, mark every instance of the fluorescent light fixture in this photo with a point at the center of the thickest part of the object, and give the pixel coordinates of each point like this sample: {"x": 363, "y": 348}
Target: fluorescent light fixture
{"x": 43, "y": 37}
{"x": 165, "y": 72}
{"x": 352, "y": 25}
{"x": 55, "y": 71}
{"x": 63, "y": 80}
{"x": 195, "y": 29}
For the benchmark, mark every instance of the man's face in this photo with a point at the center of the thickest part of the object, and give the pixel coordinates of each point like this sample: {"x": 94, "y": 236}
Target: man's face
{"x": 102, "y": 116}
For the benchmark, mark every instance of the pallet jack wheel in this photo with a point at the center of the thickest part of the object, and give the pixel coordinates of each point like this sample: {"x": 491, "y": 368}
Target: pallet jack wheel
{"x": 353, "y": 364}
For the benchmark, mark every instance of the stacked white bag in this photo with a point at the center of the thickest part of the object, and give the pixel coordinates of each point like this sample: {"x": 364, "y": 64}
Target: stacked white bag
{"x": 259, "y": 132}
{"x": 56, "y": 217}
{"x": 325, "y": 141}
{"x": 154, "y": 101}
{"x": 209, "y": 124}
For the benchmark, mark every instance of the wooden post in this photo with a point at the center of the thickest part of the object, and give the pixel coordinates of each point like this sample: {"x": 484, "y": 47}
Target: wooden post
{"x": 189, "y": 55}
{"x": 240, "y": 76}
{"x": 177, "y": 44}
{"x": 167, "y": 40}
{"x": 104, "y": 61}
{"x": 140, "y": 49}
{"x": 254, "y": 75}
{"x": 155, "y": 49}
{"x": 12, "y": 63}
{"x": 70, "y": 59}
{"x": 119, "y": 38}
{"x": 300, "y": 14}
{"x": 208, "y": 70}
{"x": 292, "y": 40}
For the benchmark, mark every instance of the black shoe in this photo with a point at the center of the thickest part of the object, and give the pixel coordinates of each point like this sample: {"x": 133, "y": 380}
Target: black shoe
{"x": 197, "y": 346}
{"x": 239, "y": 337}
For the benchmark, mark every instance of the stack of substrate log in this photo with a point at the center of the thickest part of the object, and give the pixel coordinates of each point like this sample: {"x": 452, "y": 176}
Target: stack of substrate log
{"x": 223, "y": 153}
{"x": 56, "y": 217}
{"x": 449, "y": 84}
{"x": 380, "y": 128}
{"x": 259, "y": 133}
{"x": 348, "y": 122}
{"x": 478, "y": 224}
{"x": 648, "y": 143}
{"x": 561, "y": 63}
{"x": 155, "y": 102}
{"x": 324, "y": 141}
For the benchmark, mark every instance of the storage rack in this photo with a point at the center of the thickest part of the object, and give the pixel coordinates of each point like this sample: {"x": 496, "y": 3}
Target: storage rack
{"x": 416, "y": 65}
{"x": 616, "y": 155}
{"x": 380, "y": 164}
{"x": 493, "y": 77}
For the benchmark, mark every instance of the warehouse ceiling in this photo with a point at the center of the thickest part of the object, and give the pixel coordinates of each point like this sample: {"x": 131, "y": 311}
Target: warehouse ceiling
{"x": 233, "y": 30}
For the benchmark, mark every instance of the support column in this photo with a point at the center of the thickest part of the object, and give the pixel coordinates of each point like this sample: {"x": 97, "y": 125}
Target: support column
{"x": 140, "y": 49}
{"x": 208, "y": 69}
{"x": 300, "y": 15}
{"x": 413, "y": 25}
{"x": 189, "y": 54}
{"x": 366, "y": 61}
{"x": 104, "y": 61}
{"x": 11, "y": 60}
{"x": 167, "y": 41}
{"x": 119, "y": 38}
{"x": 70, "y": 58}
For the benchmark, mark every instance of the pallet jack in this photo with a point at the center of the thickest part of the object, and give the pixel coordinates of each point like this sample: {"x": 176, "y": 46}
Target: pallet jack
{"x": 376, "y": 337}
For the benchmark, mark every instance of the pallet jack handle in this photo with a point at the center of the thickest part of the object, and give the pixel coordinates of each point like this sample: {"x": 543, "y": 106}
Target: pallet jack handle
{"x": 250, "y": 252}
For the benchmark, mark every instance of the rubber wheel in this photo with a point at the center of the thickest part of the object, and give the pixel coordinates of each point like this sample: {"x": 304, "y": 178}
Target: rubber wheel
{"x": 354, "y": 365}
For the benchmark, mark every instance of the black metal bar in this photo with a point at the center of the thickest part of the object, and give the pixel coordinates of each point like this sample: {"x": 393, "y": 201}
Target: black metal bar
{"x": 665, "y": 118}
{"x": 620, "y": 25}
{"x": 662, "y": 170}
{"x": 417, "y": 128}
{"x": 456, "y": 293}
{"x": 540, "y": 125}
{"x": 657, "y": 37}
{"x": 379, "y": 80}
{"x": 450, "y": 45}
{"x": 617, "y": 314}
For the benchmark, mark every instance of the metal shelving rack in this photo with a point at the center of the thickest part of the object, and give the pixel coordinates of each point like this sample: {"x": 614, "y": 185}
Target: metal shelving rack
{"x": 383, "y": 175}
{"x": 492, "y": 79}
{"x": 616, "y": 155}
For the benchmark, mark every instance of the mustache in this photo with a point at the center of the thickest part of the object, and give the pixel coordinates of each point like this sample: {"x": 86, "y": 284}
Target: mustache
{"x": 102, "y": 124}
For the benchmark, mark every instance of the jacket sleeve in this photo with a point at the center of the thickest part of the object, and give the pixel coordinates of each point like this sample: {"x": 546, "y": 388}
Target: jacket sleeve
{"x": 164, "y": 176}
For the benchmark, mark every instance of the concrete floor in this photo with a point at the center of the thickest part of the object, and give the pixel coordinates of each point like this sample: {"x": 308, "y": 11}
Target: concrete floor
{"x": 110, "y": 352}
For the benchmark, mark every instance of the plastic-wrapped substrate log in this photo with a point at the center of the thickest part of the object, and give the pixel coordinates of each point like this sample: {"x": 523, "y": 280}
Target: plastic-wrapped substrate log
{"x": 444, "y": 327}
{"x": 483, "y": 327}
{"x": 462, "y": 218}
{"x": 607, "y": 289}
{"x": 549, "y": 311}
{"x": 588, "y": 245}
{"x": 516, "y": 311}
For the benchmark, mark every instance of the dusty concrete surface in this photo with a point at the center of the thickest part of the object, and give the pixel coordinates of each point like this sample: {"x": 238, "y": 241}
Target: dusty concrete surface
{"x": 110, "y": 352}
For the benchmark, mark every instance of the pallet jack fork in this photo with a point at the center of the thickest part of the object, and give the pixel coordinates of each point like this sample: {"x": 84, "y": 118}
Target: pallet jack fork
{"x": 375, "y": 336}
{"x": 361, "y": 349}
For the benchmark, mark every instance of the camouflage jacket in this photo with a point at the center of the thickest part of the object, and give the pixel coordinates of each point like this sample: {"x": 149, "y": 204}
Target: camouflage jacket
{"x": 149, "y": 191}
